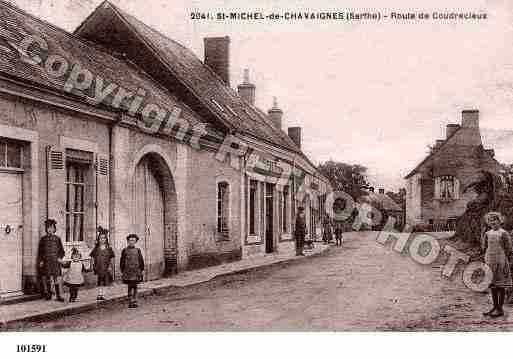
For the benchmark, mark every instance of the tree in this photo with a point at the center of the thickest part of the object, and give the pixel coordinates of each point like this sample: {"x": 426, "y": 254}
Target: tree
{"x": 399, "y": 197}
{"x": 351, "y": 179}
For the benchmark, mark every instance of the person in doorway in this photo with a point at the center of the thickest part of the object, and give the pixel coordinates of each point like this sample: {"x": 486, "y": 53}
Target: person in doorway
{"x": 300, "y": 231}
{"x": 74, "y": 278}
{"x": 496, "y": 244}
{"x": 50, "y": 256}
{"x": 102, "y": 256}
{"x": 132, "y": 267}
{"x": 338, "y": 234}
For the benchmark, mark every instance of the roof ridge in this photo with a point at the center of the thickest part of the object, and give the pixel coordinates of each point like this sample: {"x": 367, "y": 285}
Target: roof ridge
{"x": 432, "y": 153}
{"x": 124, "y": 12}
{"x": 226, "y": 87}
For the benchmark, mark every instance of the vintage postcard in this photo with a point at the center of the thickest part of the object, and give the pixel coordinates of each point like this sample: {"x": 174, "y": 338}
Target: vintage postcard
{"x": 263, "y": 166}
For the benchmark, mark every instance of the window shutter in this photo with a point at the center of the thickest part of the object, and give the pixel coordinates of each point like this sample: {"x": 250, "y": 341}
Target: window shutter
{"x": 437, "y": 188}
{"x": 56, "y": 170}
{"x": 102, "y": 190}
{"x": 456, "y": 188}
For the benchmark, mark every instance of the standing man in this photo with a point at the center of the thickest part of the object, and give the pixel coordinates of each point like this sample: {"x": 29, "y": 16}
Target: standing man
{"x": 300, "y": 231}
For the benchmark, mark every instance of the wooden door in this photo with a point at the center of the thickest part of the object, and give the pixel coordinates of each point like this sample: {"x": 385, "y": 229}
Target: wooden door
{"x": 11, "y": 234}
{"x": 150, "y": 219}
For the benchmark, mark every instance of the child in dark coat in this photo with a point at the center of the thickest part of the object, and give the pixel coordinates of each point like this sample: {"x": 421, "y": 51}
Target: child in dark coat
{"x": 102, "y": 255}
{"x": 132, "y": 267}
{"x": 50, "y": 256}
{"x": 74, "y": 278}
{"x": 338, "y": 234}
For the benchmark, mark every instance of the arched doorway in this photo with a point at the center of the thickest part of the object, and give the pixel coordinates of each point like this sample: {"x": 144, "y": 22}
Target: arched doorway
{"x": 155, "y": 215}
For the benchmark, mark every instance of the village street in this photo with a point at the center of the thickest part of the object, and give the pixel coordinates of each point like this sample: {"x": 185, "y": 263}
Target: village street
{"x": 359, "y": 287}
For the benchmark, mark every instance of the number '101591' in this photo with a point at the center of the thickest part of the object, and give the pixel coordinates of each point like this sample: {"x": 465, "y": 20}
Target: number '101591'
{"x": 31, "y": 348}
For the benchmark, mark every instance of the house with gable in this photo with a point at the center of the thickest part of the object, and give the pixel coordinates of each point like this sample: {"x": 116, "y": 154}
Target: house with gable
{"x": 435, "y": 193}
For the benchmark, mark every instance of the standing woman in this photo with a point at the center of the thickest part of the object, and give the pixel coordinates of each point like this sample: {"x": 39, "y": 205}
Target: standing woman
{"x": 497, "y": 246}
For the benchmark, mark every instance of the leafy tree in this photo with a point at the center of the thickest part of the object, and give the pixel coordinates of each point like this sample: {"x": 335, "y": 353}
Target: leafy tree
{"x": 351, "y": 179}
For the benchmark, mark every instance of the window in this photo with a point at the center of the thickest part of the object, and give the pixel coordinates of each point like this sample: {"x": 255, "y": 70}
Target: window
{"x": 222, "y": 207}
{"x": 446, "y": 188}
{"x": 253, "y": 186}
{"x": 78, "y": 165}
{"x": 75, "y": 193}
{"x": 10, "y": 154}
{"x": 285, "y": 209}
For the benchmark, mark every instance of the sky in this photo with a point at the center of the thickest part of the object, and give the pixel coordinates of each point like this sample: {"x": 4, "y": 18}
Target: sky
{"x": 374, "y": 93}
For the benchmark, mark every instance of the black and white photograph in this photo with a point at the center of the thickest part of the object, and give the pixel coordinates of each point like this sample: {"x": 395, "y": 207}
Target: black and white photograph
{"x": 321, "y": 167}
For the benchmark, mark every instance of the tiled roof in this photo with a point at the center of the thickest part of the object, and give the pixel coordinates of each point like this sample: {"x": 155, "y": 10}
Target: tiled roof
{"x": 15, "y": 24}
{"x": 222, "y": 99}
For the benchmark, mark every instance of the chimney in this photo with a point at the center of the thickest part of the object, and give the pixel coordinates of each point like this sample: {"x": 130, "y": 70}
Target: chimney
{"x": 295, "y": 135}
{"x": 470, "y": 118}
{"x": 246, "y": 89}
{"x": 217, "y": 56}
{"x": 381, "y": 191}
{"x": 451, "y": 129}
{"x": 275, "y": 114}
{"x": 439, "y": 143}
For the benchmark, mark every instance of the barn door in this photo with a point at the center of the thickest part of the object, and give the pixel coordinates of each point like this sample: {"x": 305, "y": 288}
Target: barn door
{"x": 154, "y": 225}
{"x": 149, "y": 203}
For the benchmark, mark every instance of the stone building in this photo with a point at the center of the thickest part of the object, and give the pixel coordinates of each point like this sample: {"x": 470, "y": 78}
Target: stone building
{"x": 435, "y": 188}
{"x": 386, "y": 206}
{"x": 118, "y": 126}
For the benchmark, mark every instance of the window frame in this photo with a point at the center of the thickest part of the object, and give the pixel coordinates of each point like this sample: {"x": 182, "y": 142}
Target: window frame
{"x": 69, "y": 214}
{"x": 4, "y": 145}
{"x": 253, "y": 219}
{"x": 449, "y": 182}
{"x": 223, "y": 232}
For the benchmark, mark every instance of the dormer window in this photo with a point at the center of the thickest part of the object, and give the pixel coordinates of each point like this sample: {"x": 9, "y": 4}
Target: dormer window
{"x": 447, "y": 188}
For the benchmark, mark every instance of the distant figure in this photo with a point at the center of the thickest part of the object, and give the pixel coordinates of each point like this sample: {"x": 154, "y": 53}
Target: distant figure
{"x": 300, "y": 231}
{"x": 497, "y": 246}
{"x": 50, "y": 256}
{"x": 327, "y": 235}
{"x": 132, "y": 267}
{"x": 338, "y": 233}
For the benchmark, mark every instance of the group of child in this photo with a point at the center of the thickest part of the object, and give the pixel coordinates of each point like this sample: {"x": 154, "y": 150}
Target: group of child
{"x": 51, "y": 261}
{"x": 496, "y": 243}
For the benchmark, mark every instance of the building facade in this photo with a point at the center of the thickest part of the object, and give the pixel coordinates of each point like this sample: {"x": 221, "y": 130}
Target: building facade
{"x": 83, "y": 141}
{"x": 435, "y": 189}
